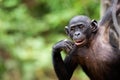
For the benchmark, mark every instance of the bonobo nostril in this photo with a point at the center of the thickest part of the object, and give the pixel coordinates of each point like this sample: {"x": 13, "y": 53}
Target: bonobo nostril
{"x": 77, "y": 33}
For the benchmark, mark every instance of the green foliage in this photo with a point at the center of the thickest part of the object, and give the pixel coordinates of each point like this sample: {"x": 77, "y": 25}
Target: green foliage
{"x": 29, "y": 28}
{"x": 9, "y": 3}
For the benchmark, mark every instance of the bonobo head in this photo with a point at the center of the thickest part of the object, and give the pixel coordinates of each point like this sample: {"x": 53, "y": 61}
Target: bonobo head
{"x": 80, "y": 29}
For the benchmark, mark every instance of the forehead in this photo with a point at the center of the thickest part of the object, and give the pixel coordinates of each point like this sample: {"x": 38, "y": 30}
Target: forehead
{"x": 79, "y": 20}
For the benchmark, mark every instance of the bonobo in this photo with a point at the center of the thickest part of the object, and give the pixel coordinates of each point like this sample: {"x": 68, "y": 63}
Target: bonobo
{"x": 90, "y": 48}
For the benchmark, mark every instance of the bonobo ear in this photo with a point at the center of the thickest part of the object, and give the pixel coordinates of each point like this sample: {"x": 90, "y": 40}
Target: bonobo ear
{"x": 66, "y": 30}
{"x": 94, "y": 25}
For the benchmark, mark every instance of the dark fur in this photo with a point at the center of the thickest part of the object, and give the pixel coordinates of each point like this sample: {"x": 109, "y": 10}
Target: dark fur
{"x": 98, "y": 58}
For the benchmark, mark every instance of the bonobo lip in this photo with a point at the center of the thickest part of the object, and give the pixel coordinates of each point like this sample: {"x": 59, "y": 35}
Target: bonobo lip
{"x": 79, "y": 42}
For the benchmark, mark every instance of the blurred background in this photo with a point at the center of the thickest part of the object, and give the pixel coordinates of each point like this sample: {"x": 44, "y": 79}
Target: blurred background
{"x": 29, "y": 29}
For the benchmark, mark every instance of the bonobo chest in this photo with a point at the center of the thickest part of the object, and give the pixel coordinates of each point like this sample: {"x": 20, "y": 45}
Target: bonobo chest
{"x": 97, "y": 60}
{"x": 99, "y": 52}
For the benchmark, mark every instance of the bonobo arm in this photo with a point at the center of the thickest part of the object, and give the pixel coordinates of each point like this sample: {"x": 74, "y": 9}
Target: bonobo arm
{"x": 64, "y": 69}
{"x": 65, "y": 45}
{"x": 107, "y": 18}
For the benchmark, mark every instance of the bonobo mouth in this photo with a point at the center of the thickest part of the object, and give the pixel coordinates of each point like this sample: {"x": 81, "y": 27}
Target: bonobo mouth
{"x": 79, "y": 42}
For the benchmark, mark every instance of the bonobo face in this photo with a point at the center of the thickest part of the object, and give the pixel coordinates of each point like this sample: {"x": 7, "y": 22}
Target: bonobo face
{"x": 80, "y": 29}
{"x": 79, "y": 32}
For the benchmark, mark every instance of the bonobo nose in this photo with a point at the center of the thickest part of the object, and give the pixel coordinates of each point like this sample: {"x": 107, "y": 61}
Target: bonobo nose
{"x": 77, "y": 33}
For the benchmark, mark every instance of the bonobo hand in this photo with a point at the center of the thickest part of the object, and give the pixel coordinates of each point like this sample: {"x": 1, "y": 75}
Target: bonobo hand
{"x": 65, "y": 45}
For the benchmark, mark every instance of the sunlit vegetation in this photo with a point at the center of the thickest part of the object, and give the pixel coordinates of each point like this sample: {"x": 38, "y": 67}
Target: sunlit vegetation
{"x": 29, "y": 28}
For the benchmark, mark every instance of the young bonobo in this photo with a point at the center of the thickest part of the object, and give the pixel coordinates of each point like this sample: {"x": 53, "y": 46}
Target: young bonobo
{"x": 90, "y": 48}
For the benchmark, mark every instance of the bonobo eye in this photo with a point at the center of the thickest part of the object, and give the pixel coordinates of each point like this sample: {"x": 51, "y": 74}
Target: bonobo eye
{"x": 72, "y": 28}
{"x": 81, "y": 26}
